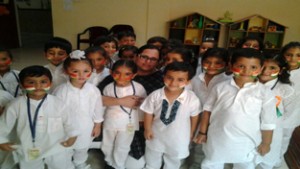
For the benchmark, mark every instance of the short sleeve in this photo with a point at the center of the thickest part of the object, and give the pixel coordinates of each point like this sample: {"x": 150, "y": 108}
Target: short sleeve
{"x": 148, "y": 105}
{"x": 268, "y": 114}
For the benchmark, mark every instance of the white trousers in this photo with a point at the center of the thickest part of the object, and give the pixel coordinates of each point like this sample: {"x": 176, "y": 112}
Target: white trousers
{"x": 80, "y": 156}
{"x": 115, "y": 147}
{"x": 132, "y": 163}
{"x": 212, "y": 165}
{"x": 154, "y": 160}
{"x": 56, "y": 161}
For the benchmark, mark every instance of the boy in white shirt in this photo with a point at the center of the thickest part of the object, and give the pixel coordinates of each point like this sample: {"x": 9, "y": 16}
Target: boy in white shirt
{"x": 171, "y": 114}
{"x": 42, "y": 124}
{"x": 238, "y": 117}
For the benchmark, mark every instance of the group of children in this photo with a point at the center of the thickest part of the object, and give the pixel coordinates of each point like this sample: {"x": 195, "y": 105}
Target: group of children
{"x": 245, "y": 100}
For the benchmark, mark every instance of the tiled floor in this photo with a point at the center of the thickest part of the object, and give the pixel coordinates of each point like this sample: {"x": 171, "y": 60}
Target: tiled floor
{"x": 30, "y": 56}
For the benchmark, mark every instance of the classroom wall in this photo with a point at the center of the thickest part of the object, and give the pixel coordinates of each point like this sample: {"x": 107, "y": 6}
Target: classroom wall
{"x": 150, "y": 17}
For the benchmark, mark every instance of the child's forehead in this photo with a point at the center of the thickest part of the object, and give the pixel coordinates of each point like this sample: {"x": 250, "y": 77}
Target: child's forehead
{"x": 4, "y": 54}
{"x": 80, "y": 64}
{"x": 247, "y": 60}
{"x": 36, "y": 78}
{"x": 177, "y": 73}
{"x": 95, "y": 55}
{"x": 56, "y": 49}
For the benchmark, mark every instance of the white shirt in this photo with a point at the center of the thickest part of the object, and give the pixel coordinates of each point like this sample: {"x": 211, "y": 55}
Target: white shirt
{"x": 54, "y": 126}
{"x": 295, "y": 76}
{"x": 5, "y": 98}
{"x": 237, "y": 117}
{"x": 115, "y": 117}
{"x": 58, "y": 75}
{"x": 96, "y": 78}
{"x": 10, "y": 82}
{"x": 86, "y": 107}
{"x": 172, "y": 139}
{"x": 201, "y": 89}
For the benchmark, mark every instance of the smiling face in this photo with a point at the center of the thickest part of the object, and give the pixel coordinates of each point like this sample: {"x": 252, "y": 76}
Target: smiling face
{"x": 79, "y": 72}
{"x": 5, "y": 62}
{"x": 123, "y": 75}
{"x": 292, "y": 56}
{"x": 36, "y": 87}
{"x": 56, "y": 56}
{"x": 270, "y": 71}
{"x": 175, "y": 80}
{"x": 213, "y": 65}
{"x": 98, "y": 61}
{"x": 147, "y": 61}
{"x": 110, "y": 48}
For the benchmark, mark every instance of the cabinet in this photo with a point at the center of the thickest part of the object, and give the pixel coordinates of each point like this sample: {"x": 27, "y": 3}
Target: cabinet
{"x": 271, "y": 33}
{"x": 192, "y": 29}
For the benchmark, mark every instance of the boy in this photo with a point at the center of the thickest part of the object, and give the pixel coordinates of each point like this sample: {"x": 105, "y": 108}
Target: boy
{"x": 126, "y": 38}
{"x": 207, "y": 44}
{"x": 171, "y": 114}
{"x": 43, "y": 127}
{"x": 56, "y": 51}
{"x": 238, "y": 117}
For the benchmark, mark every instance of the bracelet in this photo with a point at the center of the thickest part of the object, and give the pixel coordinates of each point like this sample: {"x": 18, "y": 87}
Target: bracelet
{"x": 202, "y": 133}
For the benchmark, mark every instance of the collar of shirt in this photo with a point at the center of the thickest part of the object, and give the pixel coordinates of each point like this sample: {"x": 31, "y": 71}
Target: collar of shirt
{"x": 70, "y": 86}
{"x": 246, "y": 85}
{"x": 271, "y": 83}
{"x": 54, "y": 68}
{"x": 180, "y": 98}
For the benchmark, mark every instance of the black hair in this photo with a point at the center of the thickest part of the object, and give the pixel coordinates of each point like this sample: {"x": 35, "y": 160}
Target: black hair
{"x": 180, "y": 66}
{"x": 210, "y": 41}
{"x": 141, "y": 49}
{"x": 127, "y": 63}
{"x": 258, "y": 39}
{"x": 3, "y": 49}
{"x": 220, "y": 53}
{"x": 34, "y": 71}
{"x": 124, "y": 48}
{"x": 69, "y": 60}
{"x": 103, "y": 39}
{"x": 123, "y": 34}
{"x": 159, "y": 39}
{"x": 58, "y": 42}
{"x": 284, "y": 75}
{"x": 247, "y": 53}
{"x": 186, "y": 54}
{"x": 96, "y": 49}
{"x": 289, "y": 46}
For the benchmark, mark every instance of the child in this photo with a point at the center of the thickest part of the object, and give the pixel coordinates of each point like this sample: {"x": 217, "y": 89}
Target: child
{"x": 158, "y": 41}
{"x": 178, "y": 55}
{"x": 171, "y": 114}
{"x": 126, "y": 38}
{"x": 128, "y": 52}
{"x": 110, "y": 45}
{"x": 85, "y": 102}
{"x": 56, "y": 51}
{"x": 120, "y": 122}
{"x": 99, "y": 59}
{"x": 251, "y": 42}
{"x": 214, "y": 64}
{"x": 291, "y": 53}
{"x": 238, "y": 116}
{"x": 276, "y": 77}
{"x": 206, "y": 44}
{"x": 9, "y": 80}
{"x": 41, "y": 121}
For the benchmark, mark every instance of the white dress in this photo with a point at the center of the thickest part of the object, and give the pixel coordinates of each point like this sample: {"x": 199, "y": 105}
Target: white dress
{"x": 58, "y": 75}
{"x": 295, "y": 117}
{"x": 54, "y": 126}
{"x": 237, "y": 117}
{"x": 96, "y": 78}
{"x": 86, "y": 108}
{"x": 172, "y": 139}
{"x": 10, "y": 83}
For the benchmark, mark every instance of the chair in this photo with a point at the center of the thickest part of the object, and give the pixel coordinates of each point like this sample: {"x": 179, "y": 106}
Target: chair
{"x": 120, "y": 28}
{"x": 93, "y": 33}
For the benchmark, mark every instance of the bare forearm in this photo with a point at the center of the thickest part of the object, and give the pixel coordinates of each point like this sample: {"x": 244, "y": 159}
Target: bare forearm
{"x": 148, "y": 118}
{"x": 204, "y": 122}
{"x": 194, "y": 121}
{"x": 267, "y": 136}
{"x": 110, "y": 101}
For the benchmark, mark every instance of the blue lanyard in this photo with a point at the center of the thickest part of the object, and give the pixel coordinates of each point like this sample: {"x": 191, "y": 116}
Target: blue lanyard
{"x": 32, "y": 124}
{"x": 115, "y": 91}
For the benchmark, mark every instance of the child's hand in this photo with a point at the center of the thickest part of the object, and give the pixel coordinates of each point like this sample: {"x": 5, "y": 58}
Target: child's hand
{"x": 69, "y": 142}
{"x": 130, "y": 101}
{"x": 263, "y": 149}
{"x": 7, "y": 147}
{"x": 148, "y": 134}
{"x": 200, "y": 139}
{"x": 96, "y": 130}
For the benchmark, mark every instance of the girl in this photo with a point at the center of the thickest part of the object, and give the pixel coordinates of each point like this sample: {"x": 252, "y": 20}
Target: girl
{"x": 9, "y": 80}
{"x": 85, "y": 102}
{"x": 276, "y": 77}
{"x": 99, "y": 58}
{"x": 291, "y": 52}
{"x": 110, "y": 45}
{"x": 120, "y": 122}
{"x": 177, "y": 55}
{"x": 214, "y": 62}
{"x": 128, "y": 52}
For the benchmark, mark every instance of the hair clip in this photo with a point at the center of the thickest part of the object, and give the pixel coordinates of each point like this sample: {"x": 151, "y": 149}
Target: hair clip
{"x": 77, "y": 54}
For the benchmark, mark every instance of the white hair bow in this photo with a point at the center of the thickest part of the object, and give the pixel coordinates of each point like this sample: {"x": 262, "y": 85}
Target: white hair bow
{"x": 77, "y": 54}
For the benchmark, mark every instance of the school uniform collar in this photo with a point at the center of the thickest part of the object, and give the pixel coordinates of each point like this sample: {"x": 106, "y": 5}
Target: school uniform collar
{"x": 246, "y": 85}
{"x": 201, "y": 76}
{"x": 54, "y": 68}
{"x": 271, "y": 83}
{"x": 180, "y": 98}
{"x": 75, "y": 88}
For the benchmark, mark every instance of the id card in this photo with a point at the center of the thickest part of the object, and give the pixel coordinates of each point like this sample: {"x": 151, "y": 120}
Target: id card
{"x": 130, "y": 128}
{"x": 34, "y": 153}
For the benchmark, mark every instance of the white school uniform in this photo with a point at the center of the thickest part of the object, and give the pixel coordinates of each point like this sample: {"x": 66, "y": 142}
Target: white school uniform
{"x": 116, "y": 139}
{"x": 237, "y": 117}
{"x": 5, "y": 98}
{"x": 173, "y": 139}
{"x": 286, "y": 107}
{"x": 10, "y": 82}
{"x": 86, "y": 107}
{"x": 96, "y": 78}
{"x": 53, "y": 127}
{"x": 58, "y": 75}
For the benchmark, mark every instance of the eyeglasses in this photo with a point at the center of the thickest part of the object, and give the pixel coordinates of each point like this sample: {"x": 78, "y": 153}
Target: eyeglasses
{"x": 145, "y": 58}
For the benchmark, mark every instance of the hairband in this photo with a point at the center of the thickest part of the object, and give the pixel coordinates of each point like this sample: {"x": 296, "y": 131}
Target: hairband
{"x": 77, "y": 54}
